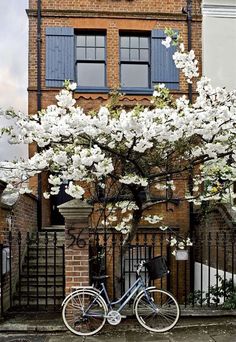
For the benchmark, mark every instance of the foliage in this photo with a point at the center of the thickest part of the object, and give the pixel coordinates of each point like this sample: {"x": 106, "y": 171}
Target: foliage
{"x": 224, "y": 291}
{"x": 223, "y": 295}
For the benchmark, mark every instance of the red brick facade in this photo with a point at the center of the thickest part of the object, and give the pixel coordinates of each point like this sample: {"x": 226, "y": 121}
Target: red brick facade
{"x": 124, "y": 15}
{"x": 113, "y": 17}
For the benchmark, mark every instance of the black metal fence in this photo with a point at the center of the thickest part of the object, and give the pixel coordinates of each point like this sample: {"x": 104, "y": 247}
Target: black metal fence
{"x": 32, "y": 272}
{"x": 202, "y": 275}
{"x": 32, "y": 267}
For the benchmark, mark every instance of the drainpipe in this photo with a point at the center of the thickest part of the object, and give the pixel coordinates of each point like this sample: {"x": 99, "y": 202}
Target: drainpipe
{"x": 188, "y": 11}
{"x": 39, "y": 107}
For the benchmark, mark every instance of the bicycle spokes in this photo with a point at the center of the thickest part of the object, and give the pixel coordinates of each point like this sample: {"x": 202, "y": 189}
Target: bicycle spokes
{"x": 84, "y": 313}
{"x": 157, "y": 310}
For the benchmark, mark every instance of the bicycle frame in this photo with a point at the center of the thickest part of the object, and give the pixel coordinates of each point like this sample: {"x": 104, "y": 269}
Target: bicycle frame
{"x": 138, "y": 284}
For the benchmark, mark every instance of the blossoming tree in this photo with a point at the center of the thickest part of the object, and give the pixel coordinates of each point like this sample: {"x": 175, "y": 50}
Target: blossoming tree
{"x": 116, "y": 157}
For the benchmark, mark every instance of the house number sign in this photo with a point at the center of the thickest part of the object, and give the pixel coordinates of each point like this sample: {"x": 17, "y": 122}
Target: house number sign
{"x": 76, "y": 239}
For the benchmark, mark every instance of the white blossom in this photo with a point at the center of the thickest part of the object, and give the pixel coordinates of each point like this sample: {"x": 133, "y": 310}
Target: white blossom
{"x": 188, "y": 64}
{"x": 156, "y": 93}
{"x": 131, "y": 153}
{"x": 72, "y": 86}
{"x": 25, "y": 190}
{"x": 65, "y": 99}
{"x": 133, "y": 179}
{"x": 46, "y": 195}
{"x": 153, "y": 219}
{"x": 173, "y": 241}
{"x": 123, "y": 227}
{"x": 163, "y": 227}
{"x": 74, "y": 190}
{"x": 166, "y": 42}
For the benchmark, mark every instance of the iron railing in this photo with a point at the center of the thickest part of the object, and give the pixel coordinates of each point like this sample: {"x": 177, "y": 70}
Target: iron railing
{"x": 206, "y": 279}
{"x": 35, "y": 275}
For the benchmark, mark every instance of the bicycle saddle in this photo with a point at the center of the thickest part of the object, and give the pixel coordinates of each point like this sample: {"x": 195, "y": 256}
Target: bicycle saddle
{"x": 102, "y": 277}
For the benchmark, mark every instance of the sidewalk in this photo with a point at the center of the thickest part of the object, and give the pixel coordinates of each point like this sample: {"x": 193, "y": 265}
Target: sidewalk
{"x": 48, "y": 327}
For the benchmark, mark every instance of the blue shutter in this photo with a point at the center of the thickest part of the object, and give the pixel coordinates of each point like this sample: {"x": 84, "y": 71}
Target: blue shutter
{"x": 59, "y": 55}
{"x": 163, "y": 69}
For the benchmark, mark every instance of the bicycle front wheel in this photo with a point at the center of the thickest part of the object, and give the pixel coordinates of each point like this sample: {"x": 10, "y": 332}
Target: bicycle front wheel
{"x": 84, "y": 313}
{"x": 157, "y": 310}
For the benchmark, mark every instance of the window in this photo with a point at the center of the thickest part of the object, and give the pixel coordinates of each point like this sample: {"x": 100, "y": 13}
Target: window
{"x": 135, "y": 61}
{"x": 81, "y": 56}
{"x": 91, "y": 60}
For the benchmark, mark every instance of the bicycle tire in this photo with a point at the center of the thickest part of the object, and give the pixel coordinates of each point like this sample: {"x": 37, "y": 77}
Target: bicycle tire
{"x": 79, "y": 318}
{"x": 157, "y": 310}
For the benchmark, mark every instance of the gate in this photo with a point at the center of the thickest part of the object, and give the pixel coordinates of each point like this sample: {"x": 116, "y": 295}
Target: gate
{"x": 32, "y": 272}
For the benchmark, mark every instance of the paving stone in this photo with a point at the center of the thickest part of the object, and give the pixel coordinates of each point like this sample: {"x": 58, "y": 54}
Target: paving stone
{"x": 225, "y": 338}
{"x": 22, "y": 338}
{"x": 115, "y": 337}
{"x": 191, "y": 335}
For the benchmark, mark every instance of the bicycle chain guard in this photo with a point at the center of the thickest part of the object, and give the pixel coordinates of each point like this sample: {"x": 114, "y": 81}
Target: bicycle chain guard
{"x": 113, "y": 317}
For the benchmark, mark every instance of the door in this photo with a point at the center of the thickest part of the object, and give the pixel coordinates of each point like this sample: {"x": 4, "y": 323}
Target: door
{"x": 56, "y": 200}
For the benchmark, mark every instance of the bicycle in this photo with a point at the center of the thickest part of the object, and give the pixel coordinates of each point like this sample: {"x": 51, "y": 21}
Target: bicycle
{"x": 86, "y": 310}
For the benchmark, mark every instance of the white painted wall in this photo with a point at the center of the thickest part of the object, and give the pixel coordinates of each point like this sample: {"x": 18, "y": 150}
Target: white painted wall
{"x": 219, "y": 42}
{"x": 204, "y": 277}
{"x": 219, "y": 64}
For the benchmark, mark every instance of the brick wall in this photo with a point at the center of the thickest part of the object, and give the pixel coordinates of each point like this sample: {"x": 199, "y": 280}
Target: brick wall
{"x": 127, "y": 6}
{"x": 111, "y": 16}
{"x": 215, "y": 232}
{"x": 23, "y": 219}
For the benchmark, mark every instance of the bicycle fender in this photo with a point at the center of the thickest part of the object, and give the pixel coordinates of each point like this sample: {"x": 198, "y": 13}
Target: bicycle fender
{"x": 141, "y": 293}
{"x": 90, "y": 289}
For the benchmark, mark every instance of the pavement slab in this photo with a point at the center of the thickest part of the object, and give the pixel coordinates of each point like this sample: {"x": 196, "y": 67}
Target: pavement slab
{"x": 191, "y": 336}
{"x": 226, "y": 338}
{"x": 184, "y": 335}
{"x": 22, "y": 338}
{"x": 119, "y": 337}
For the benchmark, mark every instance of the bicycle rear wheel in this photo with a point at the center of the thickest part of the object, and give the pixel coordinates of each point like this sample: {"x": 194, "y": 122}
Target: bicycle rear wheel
{"x": 157, "y": 310}
{"x": 84, "y": 313}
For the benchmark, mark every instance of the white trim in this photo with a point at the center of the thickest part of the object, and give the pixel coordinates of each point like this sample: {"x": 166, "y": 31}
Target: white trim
{"x": 227, "y": 11}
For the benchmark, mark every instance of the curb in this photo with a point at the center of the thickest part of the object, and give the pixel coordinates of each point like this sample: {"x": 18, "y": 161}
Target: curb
{"x": 19, "y": 328}
{"x": 15, "y": 327}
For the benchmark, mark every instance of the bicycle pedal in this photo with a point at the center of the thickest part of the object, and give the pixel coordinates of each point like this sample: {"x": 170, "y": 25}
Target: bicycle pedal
{"x": 123, "y": 316}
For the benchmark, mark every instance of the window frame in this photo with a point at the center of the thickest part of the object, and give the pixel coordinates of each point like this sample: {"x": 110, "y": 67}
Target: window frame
{"x": 91, "y": 89}
{"x": 139, "y": 34}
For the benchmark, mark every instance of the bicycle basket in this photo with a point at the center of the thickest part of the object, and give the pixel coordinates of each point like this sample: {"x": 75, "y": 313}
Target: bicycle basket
{"x": 157, "y": 267}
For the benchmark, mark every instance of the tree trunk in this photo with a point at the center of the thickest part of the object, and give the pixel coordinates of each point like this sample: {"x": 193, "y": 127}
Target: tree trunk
{"x": 137, "y": 215}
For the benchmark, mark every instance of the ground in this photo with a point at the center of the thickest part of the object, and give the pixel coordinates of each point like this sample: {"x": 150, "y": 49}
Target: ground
{"x": 49, "y": 328}
{"x": 197, "y": 334}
